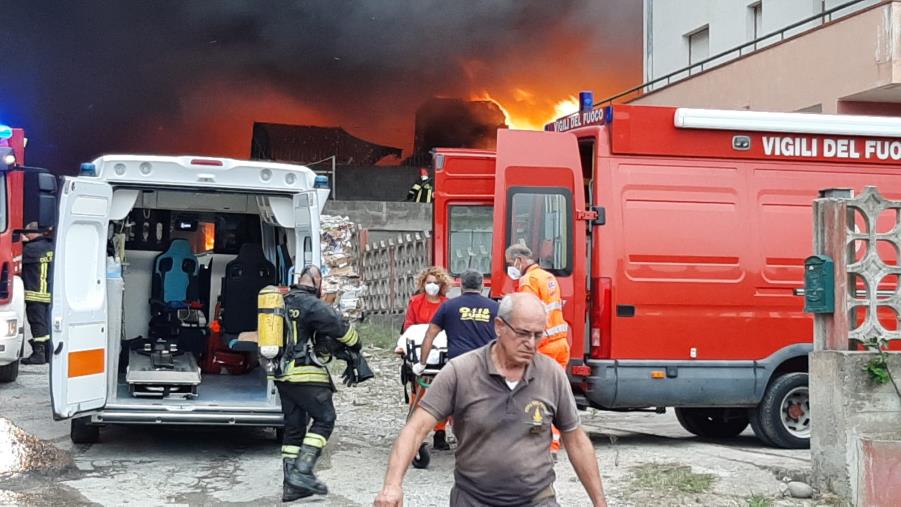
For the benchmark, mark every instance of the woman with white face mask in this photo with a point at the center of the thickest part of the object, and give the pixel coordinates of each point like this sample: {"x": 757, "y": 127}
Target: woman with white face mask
{"x": 431, "y": 289}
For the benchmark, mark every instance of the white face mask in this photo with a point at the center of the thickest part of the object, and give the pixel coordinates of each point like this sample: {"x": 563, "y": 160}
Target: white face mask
{"x": 513, "y": 272}
{"x": 432, "y": 289}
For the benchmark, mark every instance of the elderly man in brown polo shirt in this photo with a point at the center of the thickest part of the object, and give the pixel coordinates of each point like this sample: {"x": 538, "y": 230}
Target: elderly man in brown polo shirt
{"x": 503, "y": 398}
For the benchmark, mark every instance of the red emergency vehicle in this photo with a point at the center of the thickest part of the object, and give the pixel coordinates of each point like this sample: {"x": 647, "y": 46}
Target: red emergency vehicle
{"x": 17, "y": 182}
{"x": 678, "y": 238}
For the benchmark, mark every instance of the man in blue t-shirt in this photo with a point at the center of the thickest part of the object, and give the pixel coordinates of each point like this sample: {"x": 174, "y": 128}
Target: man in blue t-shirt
{"x": 468, "y": 321}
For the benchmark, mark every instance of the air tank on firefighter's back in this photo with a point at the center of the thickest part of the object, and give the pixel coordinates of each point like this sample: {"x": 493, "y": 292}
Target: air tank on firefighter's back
{"x": 270, "y": 323}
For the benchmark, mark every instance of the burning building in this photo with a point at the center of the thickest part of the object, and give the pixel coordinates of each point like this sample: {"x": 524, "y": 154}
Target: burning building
{"x": 306, "y": 144}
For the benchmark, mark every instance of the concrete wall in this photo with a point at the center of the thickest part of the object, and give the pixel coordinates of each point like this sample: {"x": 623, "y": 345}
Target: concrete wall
{"x": 372, "y": 183}
{"x": 846, "y": 405}
{"x": 667, "y": 22}
{"x": 382, "y": 219}
{"x": 854, "y": 59}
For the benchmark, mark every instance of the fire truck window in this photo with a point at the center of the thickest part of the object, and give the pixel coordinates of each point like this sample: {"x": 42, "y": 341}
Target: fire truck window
{"x": 469, "y": 238}
{"x": 3, "y": 224}
{"x": 543, "y": 222}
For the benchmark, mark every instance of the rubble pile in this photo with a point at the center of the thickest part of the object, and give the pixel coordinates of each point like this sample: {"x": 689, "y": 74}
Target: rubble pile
{"x": 341, "y": 284}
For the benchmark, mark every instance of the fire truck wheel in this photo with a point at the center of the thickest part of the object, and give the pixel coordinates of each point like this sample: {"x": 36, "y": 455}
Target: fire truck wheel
{"x": 713, "y": 422}
{"x": 784, "y": 412}
{"x": 10, "y": 372}
{"x": 82, "y": 432}
{"x": 757, "y": 426}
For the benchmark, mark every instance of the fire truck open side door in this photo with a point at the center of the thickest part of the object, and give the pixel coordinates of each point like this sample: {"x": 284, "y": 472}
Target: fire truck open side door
{"x": 539, "y": 201}
{"x": 78, "y": 376}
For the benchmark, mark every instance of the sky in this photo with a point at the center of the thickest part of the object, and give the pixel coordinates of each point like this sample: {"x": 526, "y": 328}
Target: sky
{"x": 90, "y": 77}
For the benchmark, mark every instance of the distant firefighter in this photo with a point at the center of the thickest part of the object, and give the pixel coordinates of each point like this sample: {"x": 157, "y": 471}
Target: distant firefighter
{"x": 423, "y": 189}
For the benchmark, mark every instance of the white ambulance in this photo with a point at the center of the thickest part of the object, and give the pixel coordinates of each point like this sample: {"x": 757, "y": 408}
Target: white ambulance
{"x": 146, "y": 250}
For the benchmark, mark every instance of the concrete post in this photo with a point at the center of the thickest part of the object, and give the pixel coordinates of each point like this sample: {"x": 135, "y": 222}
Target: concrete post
{"x": 856, "y": 424}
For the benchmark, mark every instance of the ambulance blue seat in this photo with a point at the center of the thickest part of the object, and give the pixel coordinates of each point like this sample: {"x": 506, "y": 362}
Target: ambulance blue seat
{"x": 175, "y": 288}
{"x": 175, "y": 274}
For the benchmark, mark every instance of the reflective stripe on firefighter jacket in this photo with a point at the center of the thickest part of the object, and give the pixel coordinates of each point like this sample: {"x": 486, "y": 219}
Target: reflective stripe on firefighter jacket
{"x": 421, "y": 192}
{"x": 37, "y": 256}
{"x": 313, "y": 331}
{"x": 545, "y": 286}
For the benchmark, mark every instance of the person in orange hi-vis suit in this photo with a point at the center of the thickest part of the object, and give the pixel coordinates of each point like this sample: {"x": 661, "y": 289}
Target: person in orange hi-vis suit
{"x": 535, "y": 280}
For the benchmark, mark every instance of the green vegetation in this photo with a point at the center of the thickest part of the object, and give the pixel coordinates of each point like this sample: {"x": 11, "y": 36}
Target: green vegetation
{"x": 670, "y": 479}
{"x": 759, "y": 501}
{"x": 378, "y": 336}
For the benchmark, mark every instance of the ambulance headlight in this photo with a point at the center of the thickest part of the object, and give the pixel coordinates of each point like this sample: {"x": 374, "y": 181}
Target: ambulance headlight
{"x": 9, "y": 159}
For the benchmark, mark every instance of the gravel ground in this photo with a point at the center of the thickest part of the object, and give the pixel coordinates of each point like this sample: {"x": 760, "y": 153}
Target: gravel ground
{"x": 240, "y": 466}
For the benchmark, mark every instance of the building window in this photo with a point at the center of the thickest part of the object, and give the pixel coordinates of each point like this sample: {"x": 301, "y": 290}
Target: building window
{"x": 698, "y": 45}
{"x": 755, "y": 20}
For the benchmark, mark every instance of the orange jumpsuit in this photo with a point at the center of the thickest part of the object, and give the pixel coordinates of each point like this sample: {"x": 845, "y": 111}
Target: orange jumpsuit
{"x": 555, "y": 344}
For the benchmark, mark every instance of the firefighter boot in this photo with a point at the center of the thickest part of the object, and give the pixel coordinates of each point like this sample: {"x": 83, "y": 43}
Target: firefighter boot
{"x": 289, "y": 492}
{"x": 439, "y": 441}
{"x": 38, "y": 353}
{"x": 301, "y": 475}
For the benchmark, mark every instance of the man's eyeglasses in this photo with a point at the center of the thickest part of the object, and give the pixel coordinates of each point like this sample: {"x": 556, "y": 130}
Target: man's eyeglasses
{"x": 523, "y": 334}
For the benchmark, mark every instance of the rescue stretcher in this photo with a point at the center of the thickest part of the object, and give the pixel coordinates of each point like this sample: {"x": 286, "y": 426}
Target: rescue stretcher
{"x": 409, "y": 346}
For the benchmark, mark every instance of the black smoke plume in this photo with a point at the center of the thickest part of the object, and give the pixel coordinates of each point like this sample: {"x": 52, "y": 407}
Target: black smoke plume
{"x": 93, "y": 76}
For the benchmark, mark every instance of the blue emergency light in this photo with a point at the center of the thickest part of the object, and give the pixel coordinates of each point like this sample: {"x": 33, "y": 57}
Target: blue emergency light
{"x": 320, "y": 181}
{"x": 586, "y": 101}
{"x": 5, "y": 132}
{"x": 87, "y": 169}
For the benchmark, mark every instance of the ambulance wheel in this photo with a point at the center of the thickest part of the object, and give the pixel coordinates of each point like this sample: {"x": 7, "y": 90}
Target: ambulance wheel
{"x": 712, "y": 422}
{"x": 422, "y": 458}
{"x": 784, "y": 412}
{"x": 81, "y": 431}
{"x": 10, "y": 372}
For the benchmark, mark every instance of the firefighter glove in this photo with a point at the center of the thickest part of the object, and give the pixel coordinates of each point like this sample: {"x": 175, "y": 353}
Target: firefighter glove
{"x": 349, "y": 377}
{"x": 418, "y": 368}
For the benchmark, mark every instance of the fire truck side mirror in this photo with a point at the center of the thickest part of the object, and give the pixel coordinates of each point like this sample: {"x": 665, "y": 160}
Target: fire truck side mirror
{"x": 819, "y": 284}
{"x": 40, "y": 197}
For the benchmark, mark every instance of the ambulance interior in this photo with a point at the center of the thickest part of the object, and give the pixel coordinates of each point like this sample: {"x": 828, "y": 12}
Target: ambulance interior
{"x": 191, "y": 265}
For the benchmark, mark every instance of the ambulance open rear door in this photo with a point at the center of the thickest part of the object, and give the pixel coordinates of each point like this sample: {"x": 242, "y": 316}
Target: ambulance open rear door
{"x": 540, "y": 202}
{"x": 78, "y": 376}
{"x": 306, "y": 230}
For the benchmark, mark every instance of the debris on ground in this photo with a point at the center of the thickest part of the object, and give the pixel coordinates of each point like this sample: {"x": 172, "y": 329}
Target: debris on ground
{"x": 341, "y": 284}
{"x": 797, "y": 489}
{"x": 21, "y": 452}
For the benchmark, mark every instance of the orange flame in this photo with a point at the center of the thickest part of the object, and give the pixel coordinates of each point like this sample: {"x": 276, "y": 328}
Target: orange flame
{"x": 531, "y": 115}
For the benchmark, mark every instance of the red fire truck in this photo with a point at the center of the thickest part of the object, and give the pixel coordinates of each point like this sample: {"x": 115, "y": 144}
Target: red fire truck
{"x": 678, "y": 238}
{"x": 26, "y": 195}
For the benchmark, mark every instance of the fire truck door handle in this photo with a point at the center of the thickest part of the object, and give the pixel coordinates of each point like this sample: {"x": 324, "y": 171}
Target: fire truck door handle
{"x": 799, "y": 292}
{"x": 625, "y": 310}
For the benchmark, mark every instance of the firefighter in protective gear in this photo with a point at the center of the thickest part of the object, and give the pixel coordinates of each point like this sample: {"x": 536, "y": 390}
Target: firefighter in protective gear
{"x": 37, "y": 258}
{"x": 422, "y": 190}
{"x": 314, "y": 333}
{"x": 535, "y": 280}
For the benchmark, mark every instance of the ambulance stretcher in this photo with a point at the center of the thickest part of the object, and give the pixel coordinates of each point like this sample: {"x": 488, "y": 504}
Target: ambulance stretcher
{"x": 409, "y": 346}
